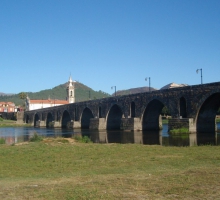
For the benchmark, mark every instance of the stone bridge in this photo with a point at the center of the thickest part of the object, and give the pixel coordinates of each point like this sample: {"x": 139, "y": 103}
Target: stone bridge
{"x": 193, "y": 107}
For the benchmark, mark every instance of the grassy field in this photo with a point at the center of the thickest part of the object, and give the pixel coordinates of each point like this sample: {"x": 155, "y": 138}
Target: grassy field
{"x": 64, "y": 169}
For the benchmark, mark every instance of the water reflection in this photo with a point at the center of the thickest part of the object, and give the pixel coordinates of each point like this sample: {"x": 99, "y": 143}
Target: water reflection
{"x": 207, "y": 139}
{"x": 21, "y": 134}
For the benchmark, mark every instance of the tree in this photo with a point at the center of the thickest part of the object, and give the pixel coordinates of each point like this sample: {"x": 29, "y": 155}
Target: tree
{"x": 22, "y": 95}
{"x": 165, "y": 111}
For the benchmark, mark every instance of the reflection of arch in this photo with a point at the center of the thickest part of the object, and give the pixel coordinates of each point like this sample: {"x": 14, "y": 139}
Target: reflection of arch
{"x": 66, "y": 120}
{"x": 49, "y": 120}
{"x": 183, "y": 112}
{"x": 36, "y": 119}
{"x": 207, "y": 114}
{"x": 114, "y": 118}
{"x": 151, "y": 116}
{"x": 85, "y": 119}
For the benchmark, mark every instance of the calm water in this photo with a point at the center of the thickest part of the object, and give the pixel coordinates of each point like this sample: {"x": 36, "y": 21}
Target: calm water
{"x": 21, "y": 134}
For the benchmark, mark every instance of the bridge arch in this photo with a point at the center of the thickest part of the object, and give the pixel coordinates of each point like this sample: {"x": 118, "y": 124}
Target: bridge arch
{"x": 85, "y": 118}
{"x": 183, "y": 106}
{"x": 206, "y": 116}
{"x": 66, "y": 120}
{"x": 100, "y": 112}
{"x": 27, "y": 119}
{"x": 50, "y": 118}
{"x": 114, "y": 117}
{"x": 151, "y": 115}
{"x": 36, "y": 119}
{"x": 132, "y": 109}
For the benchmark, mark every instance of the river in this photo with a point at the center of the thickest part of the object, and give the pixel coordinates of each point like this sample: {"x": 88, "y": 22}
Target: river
{"x": 13, "y": 135}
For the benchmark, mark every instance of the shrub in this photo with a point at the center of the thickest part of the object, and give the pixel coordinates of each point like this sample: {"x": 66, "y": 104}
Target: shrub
{"x": 36, "y": 138}
{"x": 84, "y": 139}
{"x": 179, "y": 131}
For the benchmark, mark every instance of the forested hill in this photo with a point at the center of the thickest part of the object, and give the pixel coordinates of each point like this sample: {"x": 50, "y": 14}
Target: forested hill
{"x": 82, "y": 93}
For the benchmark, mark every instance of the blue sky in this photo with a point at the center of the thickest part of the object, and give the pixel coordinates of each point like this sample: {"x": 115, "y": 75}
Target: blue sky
{"x": 104, "y": 43}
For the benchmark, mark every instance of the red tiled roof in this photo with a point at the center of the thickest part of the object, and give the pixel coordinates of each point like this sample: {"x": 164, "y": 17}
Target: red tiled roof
{"x": 2, "y": 102}
{"x": 48, "y": 101}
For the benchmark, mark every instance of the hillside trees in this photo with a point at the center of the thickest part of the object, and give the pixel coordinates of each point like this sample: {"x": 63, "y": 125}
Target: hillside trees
{"x": 59, "y": 92}
{"x": 22, "y": 95}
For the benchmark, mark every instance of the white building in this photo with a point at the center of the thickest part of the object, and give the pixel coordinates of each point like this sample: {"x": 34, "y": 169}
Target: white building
{"x": 70, "y": 91}
{"x": 33, "y": 104}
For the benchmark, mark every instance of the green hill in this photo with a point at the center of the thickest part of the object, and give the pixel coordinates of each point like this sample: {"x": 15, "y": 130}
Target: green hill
{"x": 82, "y": 93}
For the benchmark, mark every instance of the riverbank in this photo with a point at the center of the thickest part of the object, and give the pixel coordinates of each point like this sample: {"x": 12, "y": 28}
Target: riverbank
{"x": 54, "y": 169}
{"x": 11, "y": 123}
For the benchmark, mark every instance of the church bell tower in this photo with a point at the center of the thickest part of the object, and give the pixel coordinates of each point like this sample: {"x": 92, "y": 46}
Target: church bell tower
{"x": 70, "y": 91}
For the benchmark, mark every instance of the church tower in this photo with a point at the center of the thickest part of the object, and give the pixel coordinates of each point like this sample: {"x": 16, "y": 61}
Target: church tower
{"x": 70, "y": 91}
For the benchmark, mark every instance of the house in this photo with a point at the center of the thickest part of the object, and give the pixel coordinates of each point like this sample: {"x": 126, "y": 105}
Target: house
{"x": 7, "y": 107}
{"x": 33, "y": 104}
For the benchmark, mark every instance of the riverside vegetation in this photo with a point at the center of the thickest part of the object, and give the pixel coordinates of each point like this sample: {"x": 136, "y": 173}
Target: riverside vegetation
{"x": 63, "y": 168}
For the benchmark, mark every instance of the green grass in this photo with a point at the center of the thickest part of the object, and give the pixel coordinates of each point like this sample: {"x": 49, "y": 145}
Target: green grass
{"x": 2, "y": 141}
{"x": 217, "y": 120}
{"x": 179, "y": 131}
{"x": 165, "y": 121}
{"x": 55, "y": 170}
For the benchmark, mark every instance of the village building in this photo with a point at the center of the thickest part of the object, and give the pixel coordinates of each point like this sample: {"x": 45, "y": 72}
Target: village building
{"x": 34, "y": 104}
{"x": 7, "y": 107}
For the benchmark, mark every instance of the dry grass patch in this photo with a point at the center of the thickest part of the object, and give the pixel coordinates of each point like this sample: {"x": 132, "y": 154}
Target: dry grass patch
{"x": 59, "y": 140}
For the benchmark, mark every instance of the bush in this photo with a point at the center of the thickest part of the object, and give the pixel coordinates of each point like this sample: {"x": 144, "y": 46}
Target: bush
{"x": 84, "y": 139}
{"x": 36, "y": 138}
{"x": 179, "y": 131}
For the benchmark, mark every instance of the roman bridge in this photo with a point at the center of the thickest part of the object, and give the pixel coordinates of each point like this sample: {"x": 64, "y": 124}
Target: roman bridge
{"x": 193, "y": 107}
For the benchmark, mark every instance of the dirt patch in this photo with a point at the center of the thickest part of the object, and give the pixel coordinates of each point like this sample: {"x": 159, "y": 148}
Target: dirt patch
{"x": 59, "y": 140}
